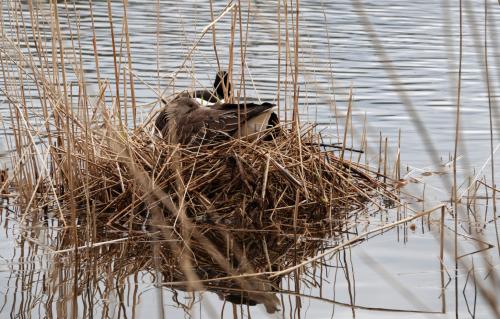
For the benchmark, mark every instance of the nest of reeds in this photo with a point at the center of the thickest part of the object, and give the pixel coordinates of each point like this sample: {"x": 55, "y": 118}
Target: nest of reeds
{"x": 212, "y": 210}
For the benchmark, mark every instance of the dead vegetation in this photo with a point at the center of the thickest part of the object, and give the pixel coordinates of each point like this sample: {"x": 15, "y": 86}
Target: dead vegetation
{"x": 214, "y": 210}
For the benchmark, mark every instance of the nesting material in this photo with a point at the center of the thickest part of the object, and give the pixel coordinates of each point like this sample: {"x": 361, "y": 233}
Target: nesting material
{"x": 212, "y": 210}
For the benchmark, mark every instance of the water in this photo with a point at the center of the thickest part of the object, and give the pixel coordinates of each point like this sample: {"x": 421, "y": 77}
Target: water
{"x": 421, "y": 43}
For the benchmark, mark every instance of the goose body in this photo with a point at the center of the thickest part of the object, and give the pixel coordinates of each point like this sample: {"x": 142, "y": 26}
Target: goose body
{"x": 183, "y": 119}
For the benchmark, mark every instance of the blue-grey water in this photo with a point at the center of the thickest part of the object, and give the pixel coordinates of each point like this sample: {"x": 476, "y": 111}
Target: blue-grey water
{"x": 401, "y": 60}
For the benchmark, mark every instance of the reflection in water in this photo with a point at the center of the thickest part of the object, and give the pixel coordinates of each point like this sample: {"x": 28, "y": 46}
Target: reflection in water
{"x": 113, "y": 279}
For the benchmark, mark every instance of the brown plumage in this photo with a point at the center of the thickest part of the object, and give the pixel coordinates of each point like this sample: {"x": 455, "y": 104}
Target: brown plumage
{"x": 184, "y": 119}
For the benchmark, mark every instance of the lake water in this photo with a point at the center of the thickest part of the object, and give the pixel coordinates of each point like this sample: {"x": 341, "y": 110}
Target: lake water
{"x": 396, "y": 56}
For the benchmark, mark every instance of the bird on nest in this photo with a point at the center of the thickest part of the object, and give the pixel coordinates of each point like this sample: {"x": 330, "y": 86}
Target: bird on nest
{"x": 185, "y": 118}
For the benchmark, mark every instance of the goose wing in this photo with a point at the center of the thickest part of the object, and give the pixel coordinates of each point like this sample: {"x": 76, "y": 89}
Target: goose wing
{"x": 209, "y": 122}
{"x": 252, "y": 109}
{"x": 229, "y": 115}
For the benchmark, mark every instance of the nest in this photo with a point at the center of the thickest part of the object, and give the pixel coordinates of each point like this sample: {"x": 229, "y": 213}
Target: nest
{"x": 211, "y": 213}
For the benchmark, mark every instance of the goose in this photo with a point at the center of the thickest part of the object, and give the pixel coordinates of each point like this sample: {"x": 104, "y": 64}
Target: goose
{"x": 183, "y": 119}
